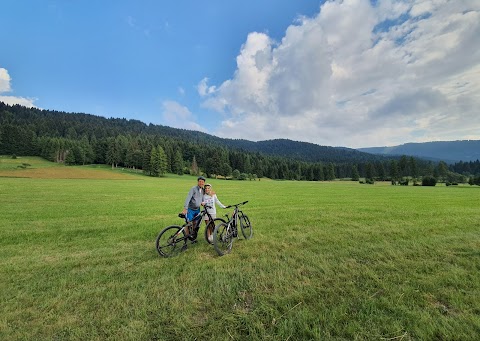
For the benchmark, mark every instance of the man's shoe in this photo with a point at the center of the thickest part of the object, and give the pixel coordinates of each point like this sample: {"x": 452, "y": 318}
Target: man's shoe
{"x": 184, "y": 247}
{"x": 194, "y": 241}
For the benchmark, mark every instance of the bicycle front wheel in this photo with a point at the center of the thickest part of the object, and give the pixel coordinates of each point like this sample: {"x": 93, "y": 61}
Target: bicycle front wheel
{"x": 170, "y": 241}
{"x": 223, "y": 239}
{"x": 210, "y": 228}
{"x": 246, "y": 226}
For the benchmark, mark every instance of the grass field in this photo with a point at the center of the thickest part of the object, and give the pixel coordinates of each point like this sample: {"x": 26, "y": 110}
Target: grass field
{"x": 328, "y": 260}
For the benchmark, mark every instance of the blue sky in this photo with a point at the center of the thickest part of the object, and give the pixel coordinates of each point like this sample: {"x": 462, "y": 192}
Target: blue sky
{"x": 354, "y": 73}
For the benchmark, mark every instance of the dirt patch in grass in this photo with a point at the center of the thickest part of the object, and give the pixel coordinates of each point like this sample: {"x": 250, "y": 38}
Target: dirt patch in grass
{"x": 65, "y": 173}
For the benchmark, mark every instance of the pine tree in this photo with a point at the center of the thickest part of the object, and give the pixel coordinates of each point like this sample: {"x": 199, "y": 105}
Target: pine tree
{"x": 194, "y": 169}
{"x": 379, "y": 171}
{"x": 87, "y": 148}
{"x": 413, "y": 167}
{"x": 247, "y": 165}
{"x": 355, "y": 174}
{"x": 370, "y": 172}
{"x": 318, "y": 174}
{"x": 177, "y": 166}
{"x": 225, "y": 170}
{"x": 154, "y": 162}
{"x": 146, "y": 167}
{"x": 162, "y": 161}
{"x": 442, "y": 169}
{"x": 112, "y": 153}
{"x": 330, "y": 172}
{"x": 403, "y": 166}
{"x": 394, "y": 170}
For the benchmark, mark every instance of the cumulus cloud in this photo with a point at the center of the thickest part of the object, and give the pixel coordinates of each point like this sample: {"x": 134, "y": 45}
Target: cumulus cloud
{"x": 4, "y": 81}
{"x": 359, "y": 74}
{"x": 177, "y": 116}
{"x": 5, "y": 87}
{"x": 24, "y": 101}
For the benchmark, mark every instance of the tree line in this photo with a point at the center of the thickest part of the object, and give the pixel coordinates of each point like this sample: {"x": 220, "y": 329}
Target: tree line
{"x": 156, "y": 150}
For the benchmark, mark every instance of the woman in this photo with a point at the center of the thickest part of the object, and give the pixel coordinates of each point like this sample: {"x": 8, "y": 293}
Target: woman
{"x": 210, "y": 199}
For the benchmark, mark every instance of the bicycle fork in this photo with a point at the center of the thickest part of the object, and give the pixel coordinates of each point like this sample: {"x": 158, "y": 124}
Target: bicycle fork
{"x": 230, "y": 232}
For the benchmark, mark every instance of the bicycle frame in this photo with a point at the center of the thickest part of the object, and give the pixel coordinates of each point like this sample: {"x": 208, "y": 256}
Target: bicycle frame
{"x": 225, "y": 233}
{"x": 196, "y": 221}
{"x": 233, "y": 222}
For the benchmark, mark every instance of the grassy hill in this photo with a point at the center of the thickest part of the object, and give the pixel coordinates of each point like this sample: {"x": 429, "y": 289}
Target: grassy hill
{"x": 39, "y": 168}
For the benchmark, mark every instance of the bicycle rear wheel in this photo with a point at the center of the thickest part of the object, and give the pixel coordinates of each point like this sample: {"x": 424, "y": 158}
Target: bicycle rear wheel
{"x": 210, "y": 228}
{"x": 246, "y": 226}
{"x": 223, "y": 239}
{"x": 170, "y": 241}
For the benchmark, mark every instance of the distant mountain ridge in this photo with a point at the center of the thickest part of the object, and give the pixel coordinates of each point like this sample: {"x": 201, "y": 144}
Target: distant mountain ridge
{"x": 303, "y": 151}
{"x": 62, "y": 124}
{"x": 50, "y": 123}
{"x": 448, "y": 151}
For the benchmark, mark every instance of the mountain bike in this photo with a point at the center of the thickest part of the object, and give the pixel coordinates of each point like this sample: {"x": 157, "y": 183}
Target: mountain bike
{"x": 225, "y": 233}
{"x": 174, "y": 238}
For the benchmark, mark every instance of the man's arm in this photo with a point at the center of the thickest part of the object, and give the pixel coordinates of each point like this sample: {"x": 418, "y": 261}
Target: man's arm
{"x": 187, "y": 200}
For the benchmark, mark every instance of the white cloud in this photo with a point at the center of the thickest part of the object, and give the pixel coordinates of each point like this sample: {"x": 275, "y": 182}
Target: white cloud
{"x": 203, "y": 89}
{"x": 4, "y": 81}
{"x": 12, "y": 100}
{"x": 177, "y": 116}
{"x": 5, "y": 87}
{"x": 359, "y": 75}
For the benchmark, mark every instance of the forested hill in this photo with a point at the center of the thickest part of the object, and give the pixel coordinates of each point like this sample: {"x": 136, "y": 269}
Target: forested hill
{"x": 84, "y": 139}
{"x": 448, "y": 151}
{"x": 75, "y": 125}
{"x": 304, "y": 151}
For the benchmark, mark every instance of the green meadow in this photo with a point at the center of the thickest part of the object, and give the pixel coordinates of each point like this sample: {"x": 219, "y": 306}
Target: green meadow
{"x": 328, "y": 260}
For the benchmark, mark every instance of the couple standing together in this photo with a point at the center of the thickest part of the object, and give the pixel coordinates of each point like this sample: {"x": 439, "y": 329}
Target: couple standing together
{"x": 202, "y": 194}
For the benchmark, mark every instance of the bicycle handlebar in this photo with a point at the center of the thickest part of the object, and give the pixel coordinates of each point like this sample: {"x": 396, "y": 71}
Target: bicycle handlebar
{"x": 184, "y": 216}
{"x": 236, "y": 205}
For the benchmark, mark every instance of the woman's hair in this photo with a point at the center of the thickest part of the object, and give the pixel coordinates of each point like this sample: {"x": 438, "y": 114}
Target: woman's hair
{"x": 212, "y": 192}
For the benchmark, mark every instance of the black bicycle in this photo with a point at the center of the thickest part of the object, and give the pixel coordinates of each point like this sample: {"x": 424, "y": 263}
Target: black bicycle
{"x": 173, "y": 239}
{"x": 225, "y": 233}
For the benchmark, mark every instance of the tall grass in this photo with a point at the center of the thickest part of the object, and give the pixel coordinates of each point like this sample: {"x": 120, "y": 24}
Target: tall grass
{"x": 335, "y": 260}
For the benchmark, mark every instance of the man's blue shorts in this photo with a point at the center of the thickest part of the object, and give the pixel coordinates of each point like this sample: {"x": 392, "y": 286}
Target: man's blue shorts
{"x": 192, "y": 213}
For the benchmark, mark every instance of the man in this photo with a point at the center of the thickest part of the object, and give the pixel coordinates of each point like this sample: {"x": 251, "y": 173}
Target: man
{"x": 193, "y": 201}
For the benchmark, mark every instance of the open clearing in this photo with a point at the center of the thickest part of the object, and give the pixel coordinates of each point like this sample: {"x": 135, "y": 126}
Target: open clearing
{"x": 328, "y": 260}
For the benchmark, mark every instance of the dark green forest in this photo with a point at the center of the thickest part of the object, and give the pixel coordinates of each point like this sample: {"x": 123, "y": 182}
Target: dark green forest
{"x": 78, "y": 138}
